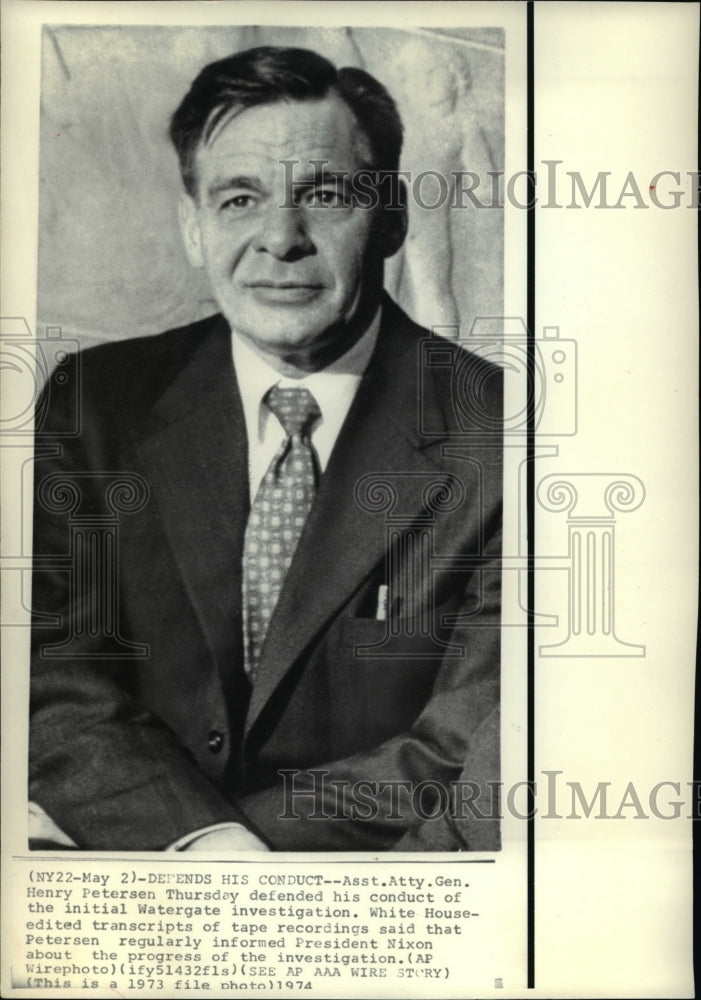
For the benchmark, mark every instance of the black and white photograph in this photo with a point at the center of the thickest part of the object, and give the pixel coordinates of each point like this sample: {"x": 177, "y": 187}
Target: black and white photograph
{"x": 349, "y": 444}
{"x": 267, "y": 541}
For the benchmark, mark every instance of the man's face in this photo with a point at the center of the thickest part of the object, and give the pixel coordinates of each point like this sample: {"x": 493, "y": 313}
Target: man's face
{"x": 292, "y": 262}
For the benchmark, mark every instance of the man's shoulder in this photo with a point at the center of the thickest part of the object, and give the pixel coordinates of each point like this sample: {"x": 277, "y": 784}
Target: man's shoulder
{"x": 143, "y": 366}
{"x": 143, "y": 354}
{"x": 116, "y": 383}
{"x": 471, "y": 351}
{"x": 456, "y": 376}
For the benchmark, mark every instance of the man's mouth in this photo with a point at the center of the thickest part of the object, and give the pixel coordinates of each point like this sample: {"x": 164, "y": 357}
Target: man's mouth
{"x": 284, "y": 284}
{"x": 285, "y": 291}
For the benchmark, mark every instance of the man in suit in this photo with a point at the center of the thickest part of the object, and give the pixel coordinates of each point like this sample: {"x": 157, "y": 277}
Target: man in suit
{"x": 292, "y": 638}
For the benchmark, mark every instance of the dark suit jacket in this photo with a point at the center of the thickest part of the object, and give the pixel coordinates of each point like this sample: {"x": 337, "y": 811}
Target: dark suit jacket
{"x": 131, "y": 752}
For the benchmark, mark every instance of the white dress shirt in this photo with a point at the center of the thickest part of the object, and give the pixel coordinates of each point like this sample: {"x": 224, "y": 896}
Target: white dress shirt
{"x": 333, "y": 389}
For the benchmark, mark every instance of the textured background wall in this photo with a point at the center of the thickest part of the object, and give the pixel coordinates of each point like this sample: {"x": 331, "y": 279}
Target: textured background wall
{"x": 111, "y": 263}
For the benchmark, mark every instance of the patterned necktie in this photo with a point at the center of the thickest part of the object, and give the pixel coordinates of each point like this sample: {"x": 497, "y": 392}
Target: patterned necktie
{"x": 277, "y": 515}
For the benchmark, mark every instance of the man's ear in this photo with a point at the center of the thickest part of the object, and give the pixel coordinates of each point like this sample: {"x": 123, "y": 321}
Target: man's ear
{"x": 188, "y": 216}
{"x": 394, "y": 223}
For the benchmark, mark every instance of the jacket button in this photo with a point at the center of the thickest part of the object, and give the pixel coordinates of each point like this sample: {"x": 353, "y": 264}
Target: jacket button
{"x": 215, "y": 741}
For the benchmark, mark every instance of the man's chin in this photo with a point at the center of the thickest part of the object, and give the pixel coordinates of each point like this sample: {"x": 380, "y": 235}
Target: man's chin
{"x": 281, "y": 329}
{"x": 295, "y": 335}
{"x": 288, "y": 345}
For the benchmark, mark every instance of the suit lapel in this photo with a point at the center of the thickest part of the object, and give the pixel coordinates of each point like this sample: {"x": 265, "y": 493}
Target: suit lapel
{"x": 343, "y": 540}
{"x": 195, "y": 456}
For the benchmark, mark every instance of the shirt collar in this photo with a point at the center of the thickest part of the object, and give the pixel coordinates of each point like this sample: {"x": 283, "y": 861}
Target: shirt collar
{"x": 255, "y": 376}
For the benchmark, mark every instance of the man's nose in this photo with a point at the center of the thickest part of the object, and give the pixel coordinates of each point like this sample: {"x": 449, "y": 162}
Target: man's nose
{"x": 283, "y": 233}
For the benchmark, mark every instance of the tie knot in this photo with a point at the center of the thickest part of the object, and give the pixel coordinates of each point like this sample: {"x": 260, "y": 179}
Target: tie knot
{"x": 296, "y": 409}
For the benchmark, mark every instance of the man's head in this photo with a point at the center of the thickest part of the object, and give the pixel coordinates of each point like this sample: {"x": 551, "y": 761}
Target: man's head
{"x": 270, "y": 142}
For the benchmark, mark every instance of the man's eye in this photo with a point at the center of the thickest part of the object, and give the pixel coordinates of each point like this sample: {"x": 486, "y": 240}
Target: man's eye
{"x": 239, "y": 201}
{"x": 327, "y": 198}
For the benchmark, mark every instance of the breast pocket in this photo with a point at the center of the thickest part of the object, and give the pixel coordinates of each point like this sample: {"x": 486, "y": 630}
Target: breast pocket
{"x": 379, "y": 683}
